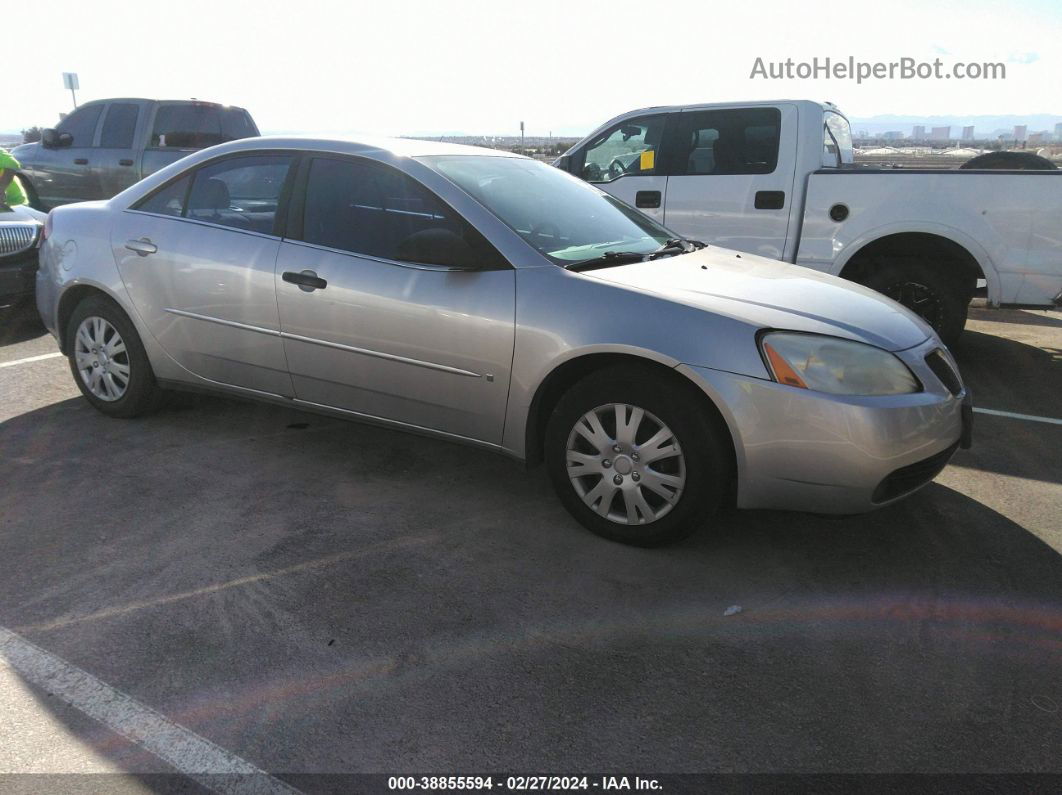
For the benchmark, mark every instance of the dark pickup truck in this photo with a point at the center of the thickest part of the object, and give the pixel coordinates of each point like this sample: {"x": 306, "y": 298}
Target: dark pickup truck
{"x": 106, "y": 145}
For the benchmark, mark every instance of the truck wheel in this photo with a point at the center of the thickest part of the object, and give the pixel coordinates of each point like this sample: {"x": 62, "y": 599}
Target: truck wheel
{"x": 32, "y": 198}
{"x": 938, "y": 297}
{"x": 108, "y": 361}
{"x": 636, "y": 459}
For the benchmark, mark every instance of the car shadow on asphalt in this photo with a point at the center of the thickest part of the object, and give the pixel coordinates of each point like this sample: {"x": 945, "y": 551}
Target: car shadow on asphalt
{"x": 276, "y": 580}
{"x": 18, "y": 324}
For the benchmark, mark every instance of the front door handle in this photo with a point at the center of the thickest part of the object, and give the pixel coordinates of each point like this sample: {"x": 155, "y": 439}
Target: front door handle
{"x": 647, "y": 199}
{"x": 308, "y": 281}
{"x": 769, "y": 200}
{"x": 125, "y": 162}
{"x": 80, "y": 161}
{"x": 143, "y": 246}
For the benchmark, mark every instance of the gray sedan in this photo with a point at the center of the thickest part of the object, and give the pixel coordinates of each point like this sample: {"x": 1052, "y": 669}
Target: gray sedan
{"x": 494, "y": 300}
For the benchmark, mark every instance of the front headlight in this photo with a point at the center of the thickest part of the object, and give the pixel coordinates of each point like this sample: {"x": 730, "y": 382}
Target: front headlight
{"x": 836, "y": 366}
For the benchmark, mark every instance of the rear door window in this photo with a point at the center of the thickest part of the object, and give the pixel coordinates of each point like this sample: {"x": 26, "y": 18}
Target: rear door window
{"x": 169, "y": 200}
{"x": 119, "y": 125}
{"x": 369, "y": 209}
{"x": 731, "y": 141}
{"x": 186, "y": 125}
{"x": 240, "y": 192}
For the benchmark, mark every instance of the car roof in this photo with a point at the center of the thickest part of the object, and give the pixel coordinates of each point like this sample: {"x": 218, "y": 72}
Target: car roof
{"x": 401, "y": 147}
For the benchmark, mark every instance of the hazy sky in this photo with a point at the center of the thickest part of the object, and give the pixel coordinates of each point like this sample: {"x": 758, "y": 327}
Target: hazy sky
{"x": 395, "y": 66}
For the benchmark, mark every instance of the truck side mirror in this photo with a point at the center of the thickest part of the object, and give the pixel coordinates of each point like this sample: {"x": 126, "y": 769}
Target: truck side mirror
{"x": 65, "y": 139}
{"x": 50, "y": 138}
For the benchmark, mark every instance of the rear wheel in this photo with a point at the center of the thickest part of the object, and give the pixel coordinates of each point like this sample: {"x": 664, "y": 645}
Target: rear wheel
{"x": 636, "y": 459}
{"x": 931, "y": 291}
{"x": 108, "y": 360}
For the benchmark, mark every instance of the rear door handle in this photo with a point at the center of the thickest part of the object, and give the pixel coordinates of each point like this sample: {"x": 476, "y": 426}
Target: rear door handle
{"x": 647, "y": 199}
{"x": 80, "y": 161}
{"x": 770, "y": 199}
{"x": 125, "y": 162}
{"x": 308, "y": 281}
{"x": 143, "y": 246}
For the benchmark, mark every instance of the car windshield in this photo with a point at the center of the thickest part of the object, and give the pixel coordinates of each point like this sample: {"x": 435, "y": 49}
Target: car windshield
{"x": 564, "y": 218}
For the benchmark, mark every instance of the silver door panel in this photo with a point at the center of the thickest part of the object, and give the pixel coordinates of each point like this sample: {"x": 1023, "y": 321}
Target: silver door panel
{"x": 208, "y": 297}
{"x": 426, "y": 346}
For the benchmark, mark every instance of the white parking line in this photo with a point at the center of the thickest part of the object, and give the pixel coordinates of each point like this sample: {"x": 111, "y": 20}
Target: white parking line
{"x": 192, "y": 755}
{"x": 29, "y": 359}
{"x": 1014, "y": 416}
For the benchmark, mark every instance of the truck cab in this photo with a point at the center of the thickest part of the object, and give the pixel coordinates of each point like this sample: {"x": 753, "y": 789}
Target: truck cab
{"x": 720, "y": 172}
{"x": 778, "y": 179}
{"x": 104, "y": 146}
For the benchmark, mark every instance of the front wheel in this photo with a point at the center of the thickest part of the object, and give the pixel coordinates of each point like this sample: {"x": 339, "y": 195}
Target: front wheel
{"x": 635, "y": 458}
{"x": 108, "y": 360}
{"x": 931, "y": 292}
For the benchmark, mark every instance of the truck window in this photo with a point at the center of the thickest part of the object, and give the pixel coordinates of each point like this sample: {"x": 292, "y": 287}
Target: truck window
{"x": 732, "y": 141}
{"x": 836, "y": 140}
{"x": 81, "y": 125}
{"x": 187, "y": 125}
{"x": 629, "y": 148}
{"x": 119, "y": 125}
{"x": 235, "y": 124}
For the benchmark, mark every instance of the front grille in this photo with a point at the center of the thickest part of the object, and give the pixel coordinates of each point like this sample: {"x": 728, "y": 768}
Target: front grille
{"x": 17, "y": 237}
{"x": 910, "y": 477}
{"x": 945, "y": 371}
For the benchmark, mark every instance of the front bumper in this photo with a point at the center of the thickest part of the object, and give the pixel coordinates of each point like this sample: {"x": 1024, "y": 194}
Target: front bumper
{"x": 808, "y": 451}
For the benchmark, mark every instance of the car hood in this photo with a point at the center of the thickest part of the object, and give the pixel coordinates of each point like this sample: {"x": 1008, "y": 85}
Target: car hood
{"x": 20, "y": 213}
{"x": 771, "y": 294}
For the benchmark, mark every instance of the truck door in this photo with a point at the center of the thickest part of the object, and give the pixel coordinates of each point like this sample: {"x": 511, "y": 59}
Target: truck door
{"x": 64, "y": 174}
{"x": 731, "y": 176}
{"x": 115, "y": 160}
{"x": 623, "y": 161}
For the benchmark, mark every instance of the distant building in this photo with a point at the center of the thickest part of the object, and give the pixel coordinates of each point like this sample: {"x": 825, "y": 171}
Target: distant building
{"x": 968, "y": 133}
{"x": 919, "y": 133}
{"x": 1039, "y": 138}
{"x": 940, "y": 134}
{"x": 893, "y": 135}
{"x": 1058, "y": 131}
{"x": 1021, "y": 132}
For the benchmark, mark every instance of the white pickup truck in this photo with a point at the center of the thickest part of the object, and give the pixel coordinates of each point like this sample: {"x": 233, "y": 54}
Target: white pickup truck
{"x": 778, "y": 179}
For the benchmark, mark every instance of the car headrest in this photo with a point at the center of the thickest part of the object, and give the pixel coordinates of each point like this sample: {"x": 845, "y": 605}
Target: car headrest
{"x": 210, "y": 194}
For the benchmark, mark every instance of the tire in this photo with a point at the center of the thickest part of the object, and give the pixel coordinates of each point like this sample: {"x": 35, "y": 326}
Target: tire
{"x": 704, "y": 460}
{"x": 32, "y": 198}
{"x": 131, "y": 390}
{"x": 927, "y": 289}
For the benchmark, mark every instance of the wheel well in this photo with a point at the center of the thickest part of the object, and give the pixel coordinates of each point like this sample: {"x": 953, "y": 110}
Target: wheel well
{"x": 915, "y": 245}
{"x": 568, "y": 374}
{"x": 71, "y": 298}
{"x": 32, "y": 196}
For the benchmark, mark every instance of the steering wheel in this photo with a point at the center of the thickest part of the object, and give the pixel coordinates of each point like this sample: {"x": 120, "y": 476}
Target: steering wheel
{"x": 616, "y": 169}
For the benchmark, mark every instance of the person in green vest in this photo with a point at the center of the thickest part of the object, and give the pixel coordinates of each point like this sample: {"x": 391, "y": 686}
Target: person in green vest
{"x": 11, "y": 192}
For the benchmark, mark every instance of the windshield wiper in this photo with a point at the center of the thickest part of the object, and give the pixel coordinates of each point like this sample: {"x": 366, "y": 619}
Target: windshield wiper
{"x": 671, "y": 248}
{"x": 608, "y": 259}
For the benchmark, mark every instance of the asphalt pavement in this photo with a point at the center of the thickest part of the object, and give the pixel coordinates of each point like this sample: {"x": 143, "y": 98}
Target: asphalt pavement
{"x": 306, "y": 595}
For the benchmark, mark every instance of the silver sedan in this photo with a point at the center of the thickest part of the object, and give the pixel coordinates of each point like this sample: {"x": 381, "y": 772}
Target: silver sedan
{"x": 494, "y": 300}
